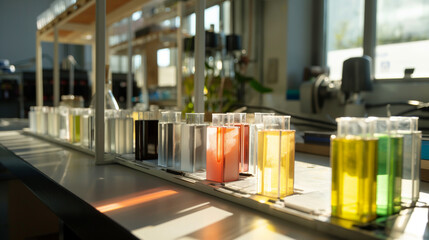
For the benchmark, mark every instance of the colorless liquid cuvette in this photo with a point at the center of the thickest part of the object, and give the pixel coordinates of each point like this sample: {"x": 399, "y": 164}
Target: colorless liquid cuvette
{"x": 169, "y": 145}
{"x": 253, "y": 147}
{"x": 111, "y": 128}
{"x": 193, "y": 147}
{"x": 85, "y": 129}
{"x": 32, "y": 120}
{"x": 411, "y": 167}
{"x": 123, "y": 135}
{"x": 64, "y": 126}
{"x": 42, "y": 122}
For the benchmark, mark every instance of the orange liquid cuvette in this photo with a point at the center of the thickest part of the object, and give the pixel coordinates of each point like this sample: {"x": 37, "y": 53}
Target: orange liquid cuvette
{"x": 223, "y": 153}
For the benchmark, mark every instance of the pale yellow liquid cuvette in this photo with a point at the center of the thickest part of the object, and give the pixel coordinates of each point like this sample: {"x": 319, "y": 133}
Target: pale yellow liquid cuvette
{"x": 74, "y": 128}
{"x": 276, "y": 162}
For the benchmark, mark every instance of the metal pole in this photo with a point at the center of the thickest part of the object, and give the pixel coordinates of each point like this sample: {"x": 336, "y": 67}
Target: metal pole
{"x": 145, "y": 92}
{"x": 369, "y": 30}
{"x": 71, "y": 77}
{"x": 39, "y": 72}
{"x": 100, "y": 29}
{"x": 93, "y": 67}
{"x": 21, "y": 95}
{"x": 232, "y": 16}
{"x": 130, "y": 67}
{"x": 179, "y": 54}
{"x": 107, "y": 57}
{"x": 260, "y": 43}
{"x": 319, "y": 30}
{"x": 200, "y": 41}
{"x": 56, "y": 70}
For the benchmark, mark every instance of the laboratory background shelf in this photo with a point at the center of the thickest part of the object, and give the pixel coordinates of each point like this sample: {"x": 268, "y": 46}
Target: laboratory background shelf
{"x": 77, "y": 22}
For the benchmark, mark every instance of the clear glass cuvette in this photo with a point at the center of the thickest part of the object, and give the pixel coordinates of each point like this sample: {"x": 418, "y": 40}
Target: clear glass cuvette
{"x": 276, "y": 157}
{"x": 74, "y": 123}
{"x": 109, "y": 130}
{"x": 254, "y": 127}
{"x": 239, "y": 120}
{"x": 354, "y": 170}
{"x": 146, "y": 135}
{"x": 193, "y": 143}
{"x": 408, "y": 128}
{"x": 53, "y": 122}
{"x": 123, "y": 132}
{"x": 32, "y": 119}
{"x": 389, "y": 167}
{"x": 169, "y": 128}
{"x": 64, "y": 123}
{"x": 223, "y": 149}
{"x": 41, "y": 119}
{"x": 87, "y": 134}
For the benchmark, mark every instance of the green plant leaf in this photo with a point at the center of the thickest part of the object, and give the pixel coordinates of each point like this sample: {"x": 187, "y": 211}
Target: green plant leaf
{"x": 253, "y": 83}
{"x": 259, "y": 87}
{"x": 207, "y": 66}
{"x": 241, "y": 78}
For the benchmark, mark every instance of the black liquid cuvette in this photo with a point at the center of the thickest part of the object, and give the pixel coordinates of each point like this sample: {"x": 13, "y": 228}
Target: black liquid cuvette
{"x": 146, "y": 144}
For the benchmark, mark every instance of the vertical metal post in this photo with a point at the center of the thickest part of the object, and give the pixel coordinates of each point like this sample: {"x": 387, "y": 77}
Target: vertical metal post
{"x": 259, "y": 42}
{"x": 71, "y": 77}
{"x": 145, "y": 92}
{"x": 56, "y": 70}
{"x": 370, "y": 30}
{"x": 39, "y": 72}
{"x": 19, "y": 78}
{"x": 107, "y": 54}
{"x": 21, "y": 95}
{"x": 93, "y": 67}
{"x": 232, "y": 16}
{"x": 179, "y": 54}
{"x": 319, "y": 54}
{"x": 200, "y": 41}
{"x": 130, "y": 65}
{"x": 100, "y": 45}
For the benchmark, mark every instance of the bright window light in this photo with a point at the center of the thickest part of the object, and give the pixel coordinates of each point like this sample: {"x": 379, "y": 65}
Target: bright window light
{"x": 136, "y": 16}
{"x": 211, "y": 17}
{"x": 163, "y": 56}
{"x": 402, "y": 37}
{"x": 344, "y": 33}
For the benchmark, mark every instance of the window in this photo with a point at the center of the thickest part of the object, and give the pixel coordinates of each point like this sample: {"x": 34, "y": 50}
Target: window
{"x": 118, "y": 64}
{"x": 211, "y": 17}
{"x": 344, "y": 33}
{"x": 402, "y": 38}
{"x": 166, "y": 59}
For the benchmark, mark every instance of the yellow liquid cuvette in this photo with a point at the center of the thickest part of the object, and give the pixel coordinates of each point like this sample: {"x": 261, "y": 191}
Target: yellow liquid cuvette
{"x": 354, "y": 178}
{"x": 276, "y": 161}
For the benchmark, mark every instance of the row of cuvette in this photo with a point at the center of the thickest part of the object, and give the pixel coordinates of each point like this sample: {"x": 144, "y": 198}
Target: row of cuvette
{"x": 225, "y": 151}
{"x": 375, "y": 167}
{"x": 222, "y": 150}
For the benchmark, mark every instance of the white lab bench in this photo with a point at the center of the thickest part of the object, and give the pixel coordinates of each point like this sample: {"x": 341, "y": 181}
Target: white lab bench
{"x": 152, "y": 208}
